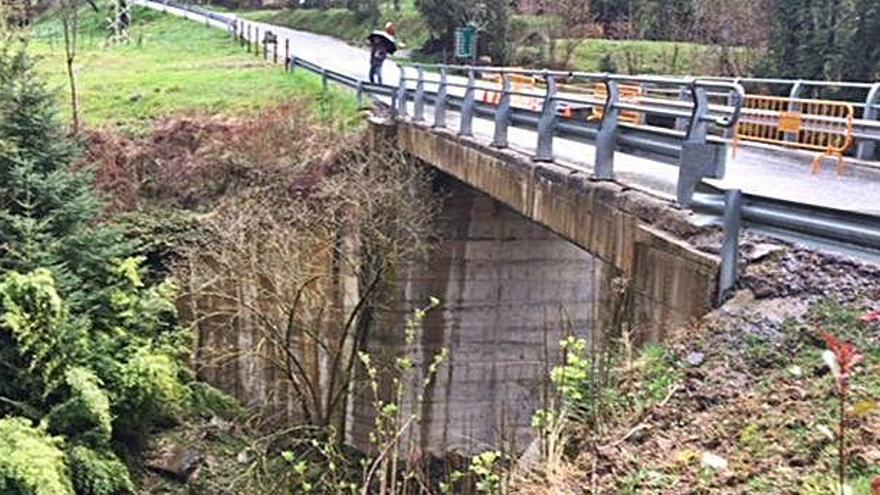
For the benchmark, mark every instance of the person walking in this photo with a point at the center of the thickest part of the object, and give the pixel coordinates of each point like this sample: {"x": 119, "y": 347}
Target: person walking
{"x": 382, "y": 44}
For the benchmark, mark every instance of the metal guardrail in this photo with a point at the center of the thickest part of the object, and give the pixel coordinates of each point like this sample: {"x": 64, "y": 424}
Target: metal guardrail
{"x": 698, "y": 153}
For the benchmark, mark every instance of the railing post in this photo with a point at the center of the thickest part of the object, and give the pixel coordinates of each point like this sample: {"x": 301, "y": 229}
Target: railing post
{"x": 286, "y": 53}
{"x": 698, "y": 158}
{"x": 360, "y": 94}
{"x": 547, "y": 124}
{"x": 642, "y": 115}
{"x": 606, "y": 139}
{"x": 401, "y": 92}
{"x": 865, "y": 150}
{"x": 440, "y": 102}
{"x": 466, "y": 128}
{"x": 730, "y": 132}
{"x": 419, "y": 99}
{"x": 248, "y": 38}
{"x": 681, "y": 123}
{"x": 256, "y": 41}
{"x": 502, "y": 114}
{"x": 275, "y": 50}
{"x": 794, "y": 107}
{"x": 732, "y": 224}
{"x": 265, "y": 47}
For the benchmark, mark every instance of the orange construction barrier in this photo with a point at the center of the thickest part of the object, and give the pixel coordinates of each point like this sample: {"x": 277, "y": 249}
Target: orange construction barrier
{"x": 813, "y": 125}
{"x": 493, "y": 96}
{"x": 628, "y": 94}
{"x": 519, "y": 83}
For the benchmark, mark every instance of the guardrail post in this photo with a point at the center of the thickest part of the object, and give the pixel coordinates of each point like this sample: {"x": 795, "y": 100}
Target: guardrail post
{"x": 547, "y": 124}
{"x": 286, "y": 53}
{"x": 732, "y": 224}
{"x": 866, "y": 148}
{"x": 730, "y": 132}
{"x": 794, "y": 107}
{"x": 324, "y": 80}
{"x": 359, "y": 95}
{"x": 419, "y": 99}
{"x": 681, "y": 123}
{"x": 292, "y": 63}
{"x": 643, "y": 117}
{"x": 401, "y": 92}
{"x": 265, "y": 47}
{"x": 467, "y": 106}
{"x": 698, "y": 158}
{"x": 606, "y": 139}
{"x": 248, "y": 38}
{"x": 440, "y": 102}
{"x": 275, "y": 51}
{"x": 502, "y": 114}
{"x": 256, "y": 41}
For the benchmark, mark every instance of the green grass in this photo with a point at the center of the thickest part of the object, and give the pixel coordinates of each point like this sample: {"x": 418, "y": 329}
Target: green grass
{"x": 172, "y": 66}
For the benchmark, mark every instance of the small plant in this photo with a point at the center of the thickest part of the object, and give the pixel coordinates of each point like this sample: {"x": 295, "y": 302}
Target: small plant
{"x": 484, "y": 467}
{"x": 842, "y": 358}
{"x": 395, "y": 418}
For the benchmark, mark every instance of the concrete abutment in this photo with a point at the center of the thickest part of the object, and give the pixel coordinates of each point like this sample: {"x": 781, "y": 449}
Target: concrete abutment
{"x": 527, "y": 254}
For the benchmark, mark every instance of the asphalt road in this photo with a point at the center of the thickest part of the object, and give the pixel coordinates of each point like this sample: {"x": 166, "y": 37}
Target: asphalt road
{"x": 770, "y": 173}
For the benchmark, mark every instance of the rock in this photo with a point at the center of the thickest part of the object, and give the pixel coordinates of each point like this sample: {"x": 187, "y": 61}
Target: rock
{"x": 174, "y": 460}
{"x": 713, "y": 461}
{"x": 695, "y": 358}
{"x": 531, "y": 457}
{"x": 760, "y": 251}
{"x": 244, "y": 456}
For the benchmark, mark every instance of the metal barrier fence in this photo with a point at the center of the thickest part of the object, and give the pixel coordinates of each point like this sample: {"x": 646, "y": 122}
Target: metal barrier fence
{"x": 866, "y": 110}
{"x": 814, "y": 125}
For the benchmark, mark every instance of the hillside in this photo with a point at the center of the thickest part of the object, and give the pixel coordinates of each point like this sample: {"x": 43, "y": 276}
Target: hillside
{"x": 171, "y": 66}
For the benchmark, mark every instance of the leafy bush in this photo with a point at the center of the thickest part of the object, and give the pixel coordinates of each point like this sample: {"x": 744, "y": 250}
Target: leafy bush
{"x": 98, "y": 473}
{"x": 87, "y": 411}
{"x": 90, "y": 351}
{"x": 31, "y": 462}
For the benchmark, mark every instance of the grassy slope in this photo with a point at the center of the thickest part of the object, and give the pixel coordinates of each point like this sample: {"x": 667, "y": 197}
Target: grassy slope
{"x": 763, "y": 399}
{"x": 172, "y": 66}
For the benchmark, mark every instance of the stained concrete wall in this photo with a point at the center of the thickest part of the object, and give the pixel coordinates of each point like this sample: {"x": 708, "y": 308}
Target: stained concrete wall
{"x": 510, "y": 290}
{"x": 644, "y": 237}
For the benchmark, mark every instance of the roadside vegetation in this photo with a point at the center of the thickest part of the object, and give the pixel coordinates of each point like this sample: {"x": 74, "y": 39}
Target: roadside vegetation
{"x": 590, "y": 55}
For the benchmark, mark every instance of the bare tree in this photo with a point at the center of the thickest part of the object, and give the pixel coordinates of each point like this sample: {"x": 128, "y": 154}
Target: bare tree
{"x": 69, "y": 10}
{"x": 567, "y": 27}
{"x": 293, "y": 270}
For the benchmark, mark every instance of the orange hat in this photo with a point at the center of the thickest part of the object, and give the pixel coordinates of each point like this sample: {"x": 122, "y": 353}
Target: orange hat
{"x": 390, "y": 29}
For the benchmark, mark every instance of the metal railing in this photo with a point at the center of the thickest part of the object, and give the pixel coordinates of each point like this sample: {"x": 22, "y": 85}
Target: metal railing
{"x": 695, "y": 150}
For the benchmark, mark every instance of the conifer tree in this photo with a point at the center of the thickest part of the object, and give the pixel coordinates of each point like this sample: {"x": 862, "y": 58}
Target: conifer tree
{"x": 49, "y": 213}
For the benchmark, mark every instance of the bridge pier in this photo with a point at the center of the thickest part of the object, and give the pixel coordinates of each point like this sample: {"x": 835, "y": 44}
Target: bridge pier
{"x": 510, "y": 290}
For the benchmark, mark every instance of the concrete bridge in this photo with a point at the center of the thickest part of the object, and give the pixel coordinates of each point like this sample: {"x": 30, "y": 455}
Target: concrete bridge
{"x": 528, "y": 254}
{"x": 536, "y": 247}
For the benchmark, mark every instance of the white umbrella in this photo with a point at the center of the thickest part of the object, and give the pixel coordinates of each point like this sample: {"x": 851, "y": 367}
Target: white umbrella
{"x": 386, "y": 38}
